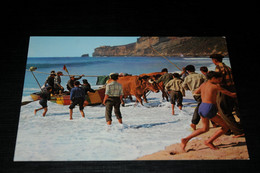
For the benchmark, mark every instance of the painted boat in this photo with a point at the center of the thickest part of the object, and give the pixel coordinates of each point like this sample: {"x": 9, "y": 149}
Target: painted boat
{"x": 64, "y": 98}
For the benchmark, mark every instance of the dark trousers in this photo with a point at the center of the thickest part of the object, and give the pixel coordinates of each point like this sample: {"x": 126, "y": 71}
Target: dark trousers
{"x": 196, "y": 117}
{"x": 176, "y": 96}
{"x": 110, "y": 103}
{"x": 226, "y": 105}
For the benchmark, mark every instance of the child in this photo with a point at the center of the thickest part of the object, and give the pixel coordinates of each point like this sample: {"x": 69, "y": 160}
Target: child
{"x": 45, "y": 95}
{"x": 176, "y": 91}
{"x": 208, "y": 109}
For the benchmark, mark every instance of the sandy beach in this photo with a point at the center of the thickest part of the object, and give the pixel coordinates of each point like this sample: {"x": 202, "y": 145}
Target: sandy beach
{"x": 230, "y": 148}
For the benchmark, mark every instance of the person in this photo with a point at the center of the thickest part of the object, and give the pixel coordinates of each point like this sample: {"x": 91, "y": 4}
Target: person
{"x": 57, "y": 83}
{"x": 45, "y": 96}
{"x": 113, "y": 98}
{"x": 184, "y": 73}
{"x": 50, "y": 81}
{"x": 87, "y": 87}
{"x": 192, "y": 82}
{"x": 226, "y": 104}
{"x": 176, "y": 91}
{"x": 208, "y": 109}
{"x": 165, "y": 78}
{"x": 204, "y": 70}
{"x": 77, "y": 96}
{"x": 70, "y": 83}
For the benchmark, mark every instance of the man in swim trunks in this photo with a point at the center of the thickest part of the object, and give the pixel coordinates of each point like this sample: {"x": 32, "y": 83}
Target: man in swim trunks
{"x": 208, "y": 109}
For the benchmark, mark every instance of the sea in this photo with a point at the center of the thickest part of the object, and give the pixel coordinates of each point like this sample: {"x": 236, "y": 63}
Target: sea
{"x": 146, "y": 129}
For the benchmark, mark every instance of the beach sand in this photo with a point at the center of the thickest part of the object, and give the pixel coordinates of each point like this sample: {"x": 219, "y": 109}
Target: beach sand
{"x": 229, "y": 149}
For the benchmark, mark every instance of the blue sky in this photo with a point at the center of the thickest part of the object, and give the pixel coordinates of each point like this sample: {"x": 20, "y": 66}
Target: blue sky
{"x": 71, "y": 46}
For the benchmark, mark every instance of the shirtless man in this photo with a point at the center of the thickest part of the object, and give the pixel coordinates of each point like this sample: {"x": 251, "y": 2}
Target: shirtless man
{"x": 208, "y": 109}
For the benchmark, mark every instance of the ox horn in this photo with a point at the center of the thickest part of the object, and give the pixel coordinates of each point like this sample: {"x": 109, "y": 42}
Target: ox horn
{"x": 151, "y": 81}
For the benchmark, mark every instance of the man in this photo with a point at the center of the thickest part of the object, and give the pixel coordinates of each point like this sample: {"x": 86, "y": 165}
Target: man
{"x": 87, "y": 87}
{"x": 176, "y": 91}
{"x": 77, "y": 96}
{"x": 57, "y": 83}
{"x": 192, "y": 82}
{"x": 113, "y": 98}
{"x": 226, "y": 105}
{"x": 70, "y": 83}
{"x": 45, "y": 96}
{"x": 165, "y": 78}
{"x": 50, "y": 81}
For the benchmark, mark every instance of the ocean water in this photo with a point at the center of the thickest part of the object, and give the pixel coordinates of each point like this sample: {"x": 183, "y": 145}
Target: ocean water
{"x": 145, "y": 130}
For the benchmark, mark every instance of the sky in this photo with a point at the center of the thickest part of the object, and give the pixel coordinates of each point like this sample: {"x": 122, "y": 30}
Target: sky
{"x": 43, "y": 46}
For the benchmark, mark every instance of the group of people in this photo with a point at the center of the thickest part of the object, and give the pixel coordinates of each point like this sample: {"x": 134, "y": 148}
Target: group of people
{"x": 214, "y": 92}
{"x": 53, "y": 86}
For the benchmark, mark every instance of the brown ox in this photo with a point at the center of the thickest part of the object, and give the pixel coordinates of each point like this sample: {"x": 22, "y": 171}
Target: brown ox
{"x": 155, "y": 76}
{"x": 135, "y": 85}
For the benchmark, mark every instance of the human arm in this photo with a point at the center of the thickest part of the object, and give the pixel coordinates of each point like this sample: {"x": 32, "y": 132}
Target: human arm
{"x": 226, "y": 92}
{"x": 105, "y": 99}
{"x": 72, "y": 94}
{"x": 198, "y": 90}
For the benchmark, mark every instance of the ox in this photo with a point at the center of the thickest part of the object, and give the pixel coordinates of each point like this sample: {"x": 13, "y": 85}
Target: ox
{"x": 135, "y": 85}
{"x": 155, "y": 76}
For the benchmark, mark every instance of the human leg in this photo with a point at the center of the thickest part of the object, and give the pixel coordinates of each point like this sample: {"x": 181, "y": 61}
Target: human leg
{"x": 108, "y": 113}
{"x": 205, "y": 128}
{"x": 45, "y": 111}
{"x": 71, "y": 112}
{"x": 36, "y": 110}
{"x": 224, "y": 128}
{"x": 81, "y": 107}
{"x": 173, "y": 100}
{"x": 196, "y": 117}
{"x": 117, "y": 111}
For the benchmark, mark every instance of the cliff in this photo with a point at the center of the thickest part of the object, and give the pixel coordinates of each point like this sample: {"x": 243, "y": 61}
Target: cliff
{"x": 167, "y": 46}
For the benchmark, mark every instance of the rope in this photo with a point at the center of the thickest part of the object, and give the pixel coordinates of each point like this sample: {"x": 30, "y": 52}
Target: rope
{"x": 163, "y": 56}
{"x": 68, "y": 75}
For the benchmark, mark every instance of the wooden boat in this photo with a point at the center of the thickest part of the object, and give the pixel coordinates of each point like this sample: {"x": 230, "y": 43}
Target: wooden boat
{"x": 64, "y": 98}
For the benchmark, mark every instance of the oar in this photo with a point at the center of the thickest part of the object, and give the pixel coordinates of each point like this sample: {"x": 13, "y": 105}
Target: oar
{"x": 31, "y": 70}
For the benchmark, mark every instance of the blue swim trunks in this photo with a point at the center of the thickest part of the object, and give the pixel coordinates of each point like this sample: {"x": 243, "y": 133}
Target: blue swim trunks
{"x": 208, "y": 110}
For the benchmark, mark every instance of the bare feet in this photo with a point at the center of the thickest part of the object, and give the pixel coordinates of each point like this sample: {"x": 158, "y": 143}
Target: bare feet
{"x": 35, "y": 111}
{"x": 210, "y": 145}
{"x": 183, "y": 143}
{"x": 193, "y": 126}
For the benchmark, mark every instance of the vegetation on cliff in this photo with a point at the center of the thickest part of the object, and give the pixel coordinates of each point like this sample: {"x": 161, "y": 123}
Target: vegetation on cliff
{"x": 167, "y": 46}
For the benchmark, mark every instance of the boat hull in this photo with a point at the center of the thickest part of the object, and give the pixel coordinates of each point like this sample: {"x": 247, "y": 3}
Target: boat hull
{"x": 64, "y": 99}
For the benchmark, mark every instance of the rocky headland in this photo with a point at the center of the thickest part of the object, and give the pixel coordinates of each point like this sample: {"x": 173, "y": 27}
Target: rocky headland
{"x": 167, "y": 46}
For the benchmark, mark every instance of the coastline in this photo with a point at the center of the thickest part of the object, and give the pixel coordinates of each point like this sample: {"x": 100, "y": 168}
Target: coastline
{"x": 229, "y": 149}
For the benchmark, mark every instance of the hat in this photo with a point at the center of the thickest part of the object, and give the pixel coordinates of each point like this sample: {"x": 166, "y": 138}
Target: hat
{"x": 85, "y": 81}
{"x": 53, "y": 73}
{"x": 113, "y": 74}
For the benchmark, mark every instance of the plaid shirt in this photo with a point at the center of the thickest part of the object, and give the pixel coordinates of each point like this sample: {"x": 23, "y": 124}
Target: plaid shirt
{"x": 114, "y": 89}
{"x": 226, "y": 72}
